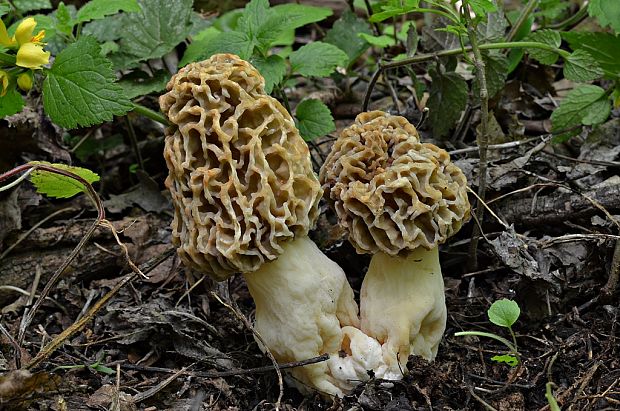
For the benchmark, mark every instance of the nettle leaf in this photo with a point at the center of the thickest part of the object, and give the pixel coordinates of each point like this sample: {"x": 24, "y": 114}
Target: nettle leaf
{"x": 98, "y": 9}
{"x": 504, "y": 312}
{"x": 586, "y": 105}
{"x": 581, "y": 67}
{"x": 135, "y": 85}
{"x": 506, "y": 358}
{"x": 59, "y": 186}
{"x": 298, "y": 15}
{"x": 317, "y": 59}
{"x": 29, "y": 5}
{"x": 345, "y": 34}
{"x": 272, "y": 68}
{"x": 448, "y": 98}
{"x": 496, "y": 71}
{"x": 314, "y": 119}
{"x": 546, "y": 36}
{"x": 603, "y": 47}
{"x": 11, "y": 103}
{"x": 64, "y": 20}
{"x": 155, "y": 30}
{"x": 607, "y": 12}
{"x": 80, "y": 89}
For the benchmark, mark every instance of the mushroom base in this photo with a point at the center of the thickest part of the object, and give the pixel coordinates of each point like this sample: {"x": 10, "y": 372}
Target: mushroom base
{"x": 402, "y": 305}
{"x": 303, "y": 300}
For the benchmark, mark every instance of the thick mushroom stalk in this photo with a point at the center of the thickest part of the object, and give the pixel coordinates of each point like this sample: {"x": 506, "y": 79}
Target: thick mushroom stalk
{"x": 398, "y": 199}
{"x": 245, "y": 197}
{"x": 402, "y": 305}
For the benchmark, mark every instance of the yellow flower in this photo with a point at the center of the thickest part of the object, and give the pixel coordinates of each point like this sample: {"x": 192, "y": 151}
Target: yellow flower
{"x": 5, "y": 40}
{"x": 4, "y": 82}
{"x": 30, "y": 53}
{"x": 24, "y": 81}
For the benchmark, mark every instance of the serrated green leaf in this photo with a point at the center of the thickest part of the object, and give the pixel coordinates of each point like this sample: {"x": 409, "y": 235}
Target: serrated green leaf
{"x": 313, "y": 119}
{"x": 607, "y": 12}
{"x": 603, "y": 47}
{"x": 496, "y": 70}
{"x": 581, "y": 67}
{"x": 80, "y": 88}
{"x": 382, "y": 41}
{"x": 506, "y": 358}
{"x": 317, "y": 59}
{"x": 586, "y": 105}
{"x": 25, "y": 6}
{"x": 448, "y": 98}
{"x": 549, "y": 37}
{"x": 504, "y": 312}
{"x": 394, "y": 8}
{"x": 11, "y": 103}
{"x": 273, "y": 69}
{"x": 98, "y": 9}
{"x": 298, "y": 15}
{"x": 552, "y": 9}
{"x": 59, "y": 186}
{"x": 64, "y": 20}
{"x": 345, "y": 34}
{"x": 106, "y": 29}
{"x": 136, "y": 85}
{"x": 155, "y": 30}
{"x": 195, "y": 50}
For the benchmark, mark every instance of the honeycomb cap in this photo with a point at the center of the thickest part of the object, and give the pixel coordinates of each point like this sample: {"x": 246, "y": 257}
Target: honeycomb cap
{"x": 240, "y": 175}
{"x": 391, "y": 192}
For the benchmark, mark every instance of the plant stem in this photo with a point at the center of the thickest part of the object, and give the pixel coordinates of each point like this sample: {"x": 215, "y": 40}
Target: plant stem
{"x": 512, "y": 348}
{"x": 134, "y": 142}
{"x": 451, "y": 52}
{"x": 153, "y": 115}
{"x": 572, "y": 20}
{"x": 529, "y": 8}
{"x": 482, "y": 137}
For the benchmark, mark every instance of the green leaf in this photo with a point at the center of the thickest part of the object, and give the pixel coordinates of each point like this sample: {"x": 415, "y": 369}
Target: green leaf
{"x": 233, "y": 42}
{"x": 345, "y": 34}
{"x": 136, "y": 85}
{"x": 64, "y": 21}
{"x": 28, "y": 5}
{"x": 298, "y": 15}
{"x": 586, "y": 105}
{"x": 98, "y": 9}
{"x": 581, "y": 67}
{"x": 482, "y": 7}
{"x": 80, "y": 88}
{"x": 106, "y": 29}
{"x": 504, "y": 312}
{"x": 607, "y": 12}
{"x": 273, "y": 69}
{"x": 195, "y": 50}
{"x": 506, "y": 358}
{"x": 59, "y": 186}
{"x": 155, "y": 30}
{"x": 552, "y": 9}
{"x": 494, "y": 28}
{"x": 603, "y": 47}
{"x": 382, "y": 41}
{"x": 317, "y": 59}
{"x": 546, "y": 36}
{"x": 448, "y": 98}
{"x": 314, "y": 119}
{"x": 496, "y": 70}
{"x": 394, "y": 8}
{"x": 11, "y": 103}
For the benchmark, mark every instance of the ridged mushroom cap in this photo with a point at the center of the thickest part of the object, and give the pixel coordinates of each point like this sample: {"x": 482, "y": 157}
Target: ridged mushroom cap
{"x": 240, "y": 175}
{"x": 391, "y": 192}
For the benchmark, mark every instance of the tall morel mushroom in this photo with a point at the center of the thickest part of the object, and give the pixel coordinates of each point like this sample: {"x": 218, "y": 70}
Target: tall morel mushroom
{"x": 399, "y": 199}
{"x": 245, "y": 196}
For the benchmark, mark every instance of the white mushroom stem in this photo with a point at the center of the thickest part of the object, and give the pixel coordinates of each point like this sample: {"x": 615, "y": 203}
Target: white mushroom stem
{"x": 402, "y": 305}
{"x": 303, "y": 300}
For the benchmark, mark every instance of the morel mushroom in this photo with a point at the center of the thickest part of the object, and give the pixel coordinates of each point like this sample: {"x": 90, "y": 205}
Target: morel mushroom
{"x": 245, "y": 196}
{"x": 399, "y": 199}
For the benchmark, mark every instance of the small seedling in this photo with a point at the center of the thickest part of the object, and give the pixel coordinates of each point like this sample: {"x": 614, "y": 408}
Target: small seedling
{"x": 504, "y": 313}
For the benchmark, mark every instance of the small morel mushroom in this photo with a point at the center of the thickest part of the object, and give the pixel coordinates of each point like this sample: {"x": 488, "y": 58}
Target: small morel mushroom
{"x": 245, "y": 197}
{"x": 399, "y": 199}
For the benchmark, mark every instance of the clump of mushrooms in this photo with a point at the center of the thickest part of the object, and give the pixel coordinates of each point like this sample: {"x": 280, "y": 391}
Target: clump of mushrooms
{"x": 245, "y": 197}
{"x": 398, "y": 199}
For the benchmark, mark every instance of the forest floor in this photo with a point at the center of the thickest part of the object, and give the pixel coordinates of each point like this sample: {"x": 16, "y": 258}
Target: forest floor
{"x": 173, "y": 339}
